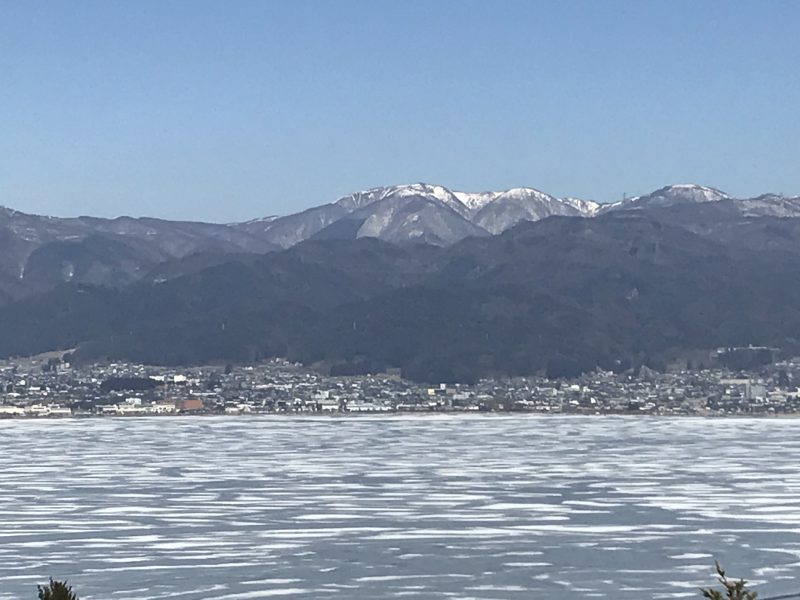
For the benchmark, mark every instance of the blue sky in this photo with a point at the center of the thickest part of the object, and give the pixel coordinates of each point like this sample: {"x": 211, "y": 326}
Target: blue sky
{"x": 226, "y": 111}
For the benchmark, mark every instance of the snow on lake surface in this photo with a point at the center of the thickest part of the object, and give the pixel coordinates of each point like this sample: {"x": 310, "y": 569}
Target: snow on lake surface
{"x": 391, "y": 507}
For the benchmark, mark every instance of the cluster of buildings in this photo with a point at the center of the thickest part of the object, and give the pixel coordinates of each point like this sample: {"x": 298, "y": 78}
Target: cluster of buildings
{"x": 47, "y": 387}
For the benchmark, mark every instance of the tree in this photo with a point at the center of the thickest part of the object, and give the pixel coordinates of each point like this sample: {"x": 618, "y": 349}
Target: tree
{"x": 56, "y": 590}
{"x": 733, "y": 589}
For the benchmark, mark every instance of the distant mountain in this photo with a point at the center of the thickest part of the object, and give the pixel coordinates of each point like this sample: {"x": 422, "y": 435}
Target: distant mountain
{"x": 433, "y": 214}
{"x": 475, "y": 201}
{"x": 403, "y": 218}
{"x": 402, "y": 213}
{"x": 766, "y": 205}
{"x": 508, "y": 208}
{"x": 38, "y": 253}
{"x": 769, "y": 205}
{"x": 559, "y": 295}
{"x": 436, "y": 194}
{"x": 669, "y": 196}
{"x": 416, "y": 213}
{"x": 293, "y": 229}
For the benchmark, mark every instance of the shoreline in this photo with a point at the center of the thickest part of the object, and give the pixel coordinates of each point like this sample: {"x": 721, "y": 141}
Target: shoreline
{"x": 397, "y": 414}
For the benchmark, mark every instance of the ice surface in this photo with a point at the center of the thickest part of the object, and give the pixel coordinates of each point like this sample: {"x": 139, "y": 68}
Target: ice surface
{"x": 384, "y": 507}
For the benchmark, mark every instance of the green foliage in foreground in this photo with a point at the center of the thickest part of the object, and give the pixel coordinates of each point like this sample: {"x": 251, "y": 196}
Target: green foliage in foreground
{"x": 732, "y": 589}
{"x": 56, "y": 590}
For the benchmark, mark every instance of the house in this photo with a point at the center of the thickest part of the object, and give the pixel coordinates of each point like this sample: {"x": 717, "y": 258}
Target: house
{"x": 328, "y": 404}
{"x": 11, "y": 411}
{"x": 189, "y": 405}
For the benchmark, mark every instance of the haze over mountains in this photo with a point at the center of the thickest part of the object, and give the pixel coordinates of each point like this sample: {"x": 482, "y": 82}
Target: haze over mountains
{"x": 444, "y": 284}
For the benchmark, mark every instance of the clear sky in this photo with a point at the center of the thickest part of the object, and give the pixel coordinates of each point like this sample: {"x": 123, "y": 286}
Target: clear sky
{"x": 230, "y": 110}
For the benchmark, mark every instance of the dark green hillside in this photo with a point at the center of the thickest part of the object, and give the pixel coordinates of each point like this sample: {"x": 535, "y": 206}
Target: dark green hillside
{"x": 561, "y": 295}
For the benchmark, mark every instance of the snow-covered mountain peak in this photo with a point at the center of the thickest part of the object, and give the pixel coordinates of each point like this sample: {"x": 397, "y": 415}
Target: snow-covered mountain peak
{"x": 588, "y": 207}
{"x": 465, "y": 203}
{"x": 524, "y": 193}
{"x": 421, "y": 189}
{"x": 686, "y": 192}
{"x": 523, "y": 204}
{"x": 439, "y": 214}
{"x": 476, "y": 200}
{"x": 494, "y": 211}
{"x": 694, "y": 192}
{"x": 772, "y": 205}
{"x": 671, "y": 194}
{"x": 357, "y": 200}
{"x": 434, "y": 193}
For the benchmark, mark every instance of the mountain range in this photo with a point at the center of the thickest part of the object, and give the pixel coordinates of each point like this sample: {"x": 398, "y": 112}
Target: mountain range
{"x": 39, "y": 252}
{"x": 446, "y": 285}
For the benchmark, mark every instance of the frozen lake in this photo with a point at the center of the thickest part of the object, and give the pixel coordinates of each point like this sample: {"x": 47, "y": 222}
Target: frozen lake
{"x": 419, "y": 507}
